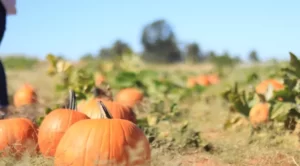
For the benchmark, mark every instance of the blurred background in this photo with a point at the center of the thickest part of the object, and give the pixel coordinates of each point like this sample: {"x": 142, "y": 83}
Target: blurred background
{"x": 159, "y": 31}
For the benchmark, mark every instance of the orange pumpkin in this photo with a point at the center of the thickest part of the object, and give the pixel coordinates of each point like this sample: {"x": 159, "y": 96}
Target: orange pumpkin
{"x": 191, "y": 82}
{"x": 26, "y": 95}
{"x": 262, "y": 87}
{"x": 203, "y": 80}
{"x": 259, "y": 113}
{"x": 129, "y": 96}
{"x": 103, "y": 142}
{"x": 17, "y": 135}
{"x": 213, "y": 79}
{"x": 55, "y": 125}
{"x": 118, "y": 110}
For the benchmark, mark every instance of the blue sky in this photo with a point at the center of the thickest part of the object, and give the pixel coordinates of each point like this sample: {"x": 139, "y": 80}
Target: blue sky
{"x": 73, "y": 27}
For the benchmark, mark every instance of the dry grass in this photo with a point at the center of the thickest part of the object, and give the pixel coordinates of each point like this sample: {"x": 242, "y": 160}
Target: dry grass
{"x": 231, "y": 146}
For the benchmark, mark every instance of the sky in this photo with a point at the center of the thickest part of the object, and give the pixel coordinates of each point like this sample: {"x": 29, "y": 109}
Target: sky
{"x": 73, "y": 28}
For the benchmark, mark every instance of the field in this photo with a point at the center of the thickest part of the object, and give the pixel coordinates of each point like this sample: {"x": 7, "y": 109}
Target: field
{"x": 185, "y": 125}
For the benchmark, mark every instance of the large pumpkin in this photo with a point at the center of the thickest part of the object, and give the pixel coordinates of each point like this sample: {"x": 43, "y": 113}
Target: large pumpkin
{"x": 259, "y": 113}
{"x": 55, "y": 125}
{"x": 17, "y": 135}
{"x": 26, "y": 95}
{"x": 103, "y": 142}
{"x": 117, "y": 110}
{"x": 129, "y": 96}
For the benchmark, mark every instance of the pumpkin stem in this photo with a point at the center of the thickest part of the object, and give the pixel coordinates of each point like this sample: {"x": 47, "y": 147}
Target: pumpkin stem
{"x": 104, "y": 111}
{"x": 72, "y": 100}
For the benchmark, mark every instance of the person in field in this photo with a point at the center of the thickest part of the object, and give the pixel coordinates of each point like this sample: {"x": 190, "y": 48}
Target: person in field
{"x": 7, "y": 7}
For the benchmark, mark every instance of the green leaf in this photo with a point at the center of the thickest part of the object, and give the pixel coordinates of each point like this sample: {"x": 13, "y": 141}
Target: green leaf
{"x": 48, "y": 110}
{"x": 280, "y": 110}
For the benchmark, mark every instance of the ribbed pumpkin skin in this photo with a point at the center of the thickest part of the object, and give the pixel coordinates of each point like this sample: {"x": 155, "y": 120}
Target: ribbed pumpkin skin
{"x": 117, "y": 110}
{"x": 97, "y": 141}
{"x": 54, "y": 127}
{"x": 129, "y": 96}
{"x": 26, "y": 95}
{"x": 17, "y": 135}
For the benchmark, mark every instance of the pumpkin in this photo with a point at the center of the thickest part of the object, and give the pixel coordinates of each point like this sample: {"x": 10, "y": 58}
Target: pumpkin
{"x": 262, "y": 87}
{"x": 129, "y": 96}
{"x": 104, "y": 141}
{"x": 259, "y": 113}
{"x": 26, "y": 95}
{"x": 17, "y": 135}
{"x": 203, "y": 80}
{"x": 118, "y": 110}
{"x": 191, "y": 82}
{"x": 55, "y": 125}
{"x": 213, "y": 79}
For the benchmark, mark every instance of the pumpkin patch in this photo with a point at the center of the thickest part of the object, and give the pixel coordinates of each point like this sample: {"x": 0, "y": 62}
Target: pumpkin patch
{"x": 152, "y": 115}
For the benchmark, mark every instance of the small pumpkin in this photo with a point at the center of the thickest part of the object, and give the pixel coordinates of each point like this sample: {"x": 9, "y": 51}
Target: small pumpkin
{"x": 55, "y": 125}
{"x": 118, "y": 110}
{"x": 129, "y": 96}
{"x": 104, "y": 141}
{"x": 262, "y": 87}
{"x": 213, "y": 79}
{"x": 259, "y": 113}
{"x": 191, "y": 82}
{"x": 203, "y": 80}
{"x": 26, "y": 95}
{"x": 17, "y": 135}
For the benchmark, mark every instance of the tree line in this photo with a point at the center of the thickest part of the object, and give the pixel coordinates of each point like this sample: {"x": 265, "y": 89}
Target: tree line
{"x": 160, "y": 45}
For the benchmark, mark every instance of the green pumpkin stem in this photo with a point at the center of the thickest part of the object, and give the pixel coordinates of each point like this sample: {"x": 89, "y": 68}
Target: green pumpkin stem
{"x": 105, "y": 114}
{"x": 72, "y": 100}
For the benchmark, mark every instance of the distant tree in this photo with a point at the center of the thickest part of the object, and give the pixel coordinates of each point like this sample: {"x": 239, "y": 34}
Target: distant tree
{"x": 119, "y": 48}
{"x": 159, "y": 42}
{"x": 193, "y": 53}
{"x": 87, "y": 56}
{"x": 253, "y": 57}
{"x": 224, "y": 60}
{"x": 105, "y": 53}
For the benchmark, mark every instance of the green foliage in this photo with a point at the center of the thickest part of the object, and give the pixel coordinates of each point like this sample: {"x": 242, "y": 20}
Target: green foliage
{"x": 192, "y": 53}
{"x": 79, "y": 80}
{"x": 240, "y": 101}
{"x": 222, "y": 61}
{"x": 159, "y": 43}
{"x": 19, "y": 62}
{"x": 253, "y": 56}
{"x": 118, "y": 49}
{"x": 284, "y": 103}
